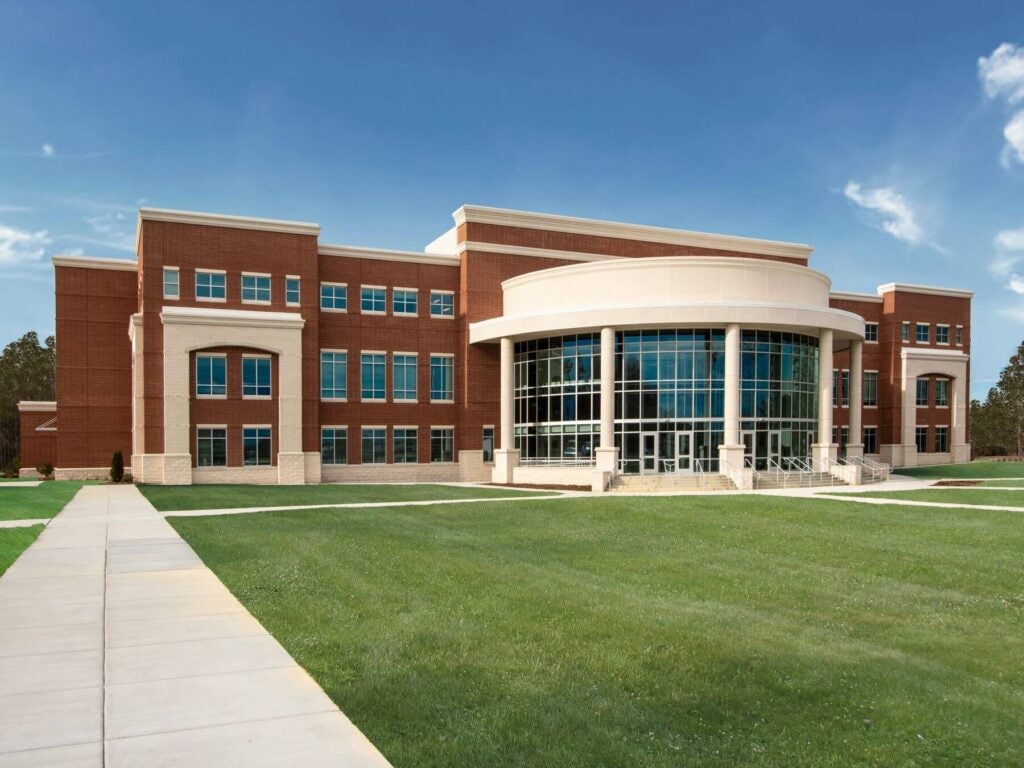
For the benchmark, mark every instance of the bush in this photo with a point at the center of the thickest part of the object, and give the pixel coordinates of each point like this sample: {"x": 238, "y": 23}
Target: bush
{"x": 13, "y": 467}
{"x": 45, "y": 469}
{"x": 127, "y": 478}
{"x": 117, "y": 467}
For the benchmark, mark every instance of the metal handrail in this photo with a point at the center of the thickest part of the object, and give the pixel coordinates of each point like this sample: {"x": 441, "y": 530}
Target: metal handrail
{"x": 698, "y": 464}
{"x": 556, "y": 461}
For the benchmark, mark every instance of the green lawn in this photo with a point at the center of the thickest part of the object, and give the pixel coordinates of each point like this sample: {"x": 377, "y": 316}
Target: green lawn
{"x": 966, "y": 471}
{"x": 169, "y": 498}
{"x": 729, "y": 631}
{"x": 14, "y": 541}
{"x": 1008, "y": 483}
{"x": 957, "y": 496}
{"x": 43, "y": 501}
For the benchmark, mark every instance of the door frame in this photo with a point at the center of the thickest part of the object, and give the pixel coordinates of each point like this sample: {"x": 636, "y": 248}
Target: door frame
{"x": 680, "y": 470}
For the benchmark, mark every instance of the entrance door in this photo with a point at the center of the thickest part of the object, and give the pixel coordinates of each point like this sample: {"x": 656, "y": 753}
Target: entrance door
{"x": 684, "y": 451}
{"x": 775, "y": 447}
{"x": 748, "y": 447}
{"x": 649, "y": 454}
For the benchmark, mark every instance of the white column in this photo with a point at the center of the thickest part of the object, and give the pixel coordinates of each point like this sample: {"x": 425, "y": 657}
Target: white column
{"x": 507, "y": 400}
{"x": 855, "y": 446}
{"x": 730, "y": 453}
{"x": 607, "y": 455}
{"x": 506, "y": 458}
{"x": 824, "y": 451}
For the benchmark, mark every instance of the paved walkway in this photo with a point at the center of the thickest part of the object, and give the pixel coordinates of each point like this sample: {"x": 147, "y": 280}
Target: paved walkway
{"x": 118, "y": 647}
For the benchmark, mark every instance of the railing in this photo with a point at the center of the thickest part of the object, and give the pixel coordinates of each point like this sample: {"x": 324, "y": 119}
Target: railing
{"x": 556, "y": 461}
{"x": 698, "y": 466}
{"x": 871, "y": 471}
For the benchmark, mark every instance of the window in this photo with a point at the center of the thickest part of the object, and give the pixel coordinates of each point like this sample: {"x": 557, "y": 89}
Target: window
{"x": 870, "y": 389}
{"x": 211, "y": 376}
{"x": 211, "y": 447}
{"x": 942, "y": 393}
{"x": 291, "y": 291}
{"x": 404, "y": 302}
{"x": 922, "y": 333}
{"x": 372, "y": 300}
{"x": 959, "y": 335}
{"x": 942, "y": 334}
{"x": 922, "y": 393}
{"x": 921, "y": 438}
{"x": 488, "y": 444}
{"x": 334, "y": 297}
{"x": 846, "y": 389}
{"x": 172, "y": 284}
{"x": 870, "y": 331}
{"x": 333, "y": 375}
{"x": 870, "y": 439}
{"x": 442, "y": 304}
{"x": 255, "y": 376}
{"x": 442, "y": 378}
{"x": 404, "y": 445}
{"x": 941, "y": 439}
{"x": 334, "y": 445}
{"x": 844, "y": 436}
{"x": 905, "y": 331}
{"x": 403, "y": 377}
{"x": 835, "y": 388}
{"x": 255, "y": 289}
{"x": 835, "y": 435}
{"x": 210, "y": 286}
{"x": 442, "y": 443}
{"x": 374, "y": 445}
{"x": 256, "y": 446}
{"x": 372, "y": 376}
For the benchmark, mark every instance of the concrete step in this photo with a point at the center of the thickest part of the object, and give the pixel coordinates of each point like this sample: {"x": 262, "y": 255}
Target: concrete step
{"x": 667, "y": 483}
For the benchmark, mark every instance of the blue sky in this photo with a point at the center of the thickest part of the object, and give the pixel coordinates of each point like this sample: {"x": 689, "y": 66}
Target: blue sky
{"x": 890, "y": 136}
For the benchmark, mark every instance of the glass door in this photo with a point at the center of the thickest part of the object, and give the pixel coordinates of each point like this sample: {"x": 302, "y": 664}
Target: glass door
{"x": 684, "y": 451}
{"x": 649, "y": 454}
{"x": 748, "y": 448}
{"x": 775, "y": 448}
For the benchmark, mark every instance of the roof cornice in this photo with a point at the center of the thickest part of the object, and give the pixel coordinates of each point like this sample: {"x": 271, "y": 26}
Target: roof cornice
{"x": 871, "y": 298}
{"x": 930, "y": 290}
{"x": 382, "y": 254}
{"x": 614, "y": 229}
{"x": 233, "y": 222}
{"x": 91, "y": 262}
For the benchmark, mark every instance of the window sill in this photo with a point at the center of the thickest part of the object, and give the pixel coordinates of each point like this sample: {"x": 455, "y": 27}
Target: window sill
{"x": 334, "y": 309}
{"x": 373, "y": 399}
{"x": 211, "y": 397}
{"x": 333, "y": 399}
{"x": 442, "y": 317}
{"x": 372, "y": 312}
{"x": 172, "y": 298}
{"x": 212, "y": 300}
{"x": 257, "y": 397}
{"x": 292, "y": 304}
{"x": 405, "y": 401}
{"x": 442, "y": 402}
{"x": 406, "y": 314}
{"x": 255, "y": 302}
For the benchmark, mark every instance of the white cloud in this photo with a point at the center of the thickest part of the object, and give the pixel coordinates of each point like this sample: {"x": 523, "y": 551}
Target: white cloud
{"x": 1014, "y": 313}
{"x": 19, "y": 246}
{"x": 893, "y": 211}
{"x": 112, "y": 229}
{"x": 1014, "y": 135}
{"x": 1009, "y": 246}
{"x": 48, "y": 150}
{"x": 14, "y": 209}
{"x": 1002, "y": 76}
{"x": 1002, "y": 73}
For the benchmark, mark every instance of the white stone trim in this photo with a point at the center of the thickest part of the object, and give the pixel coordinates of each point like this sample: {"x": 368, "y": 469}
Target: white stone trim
{"x": 537, "y": 253}
{"x": 855, "y": 296}
{"x": 623, "y": 231}
{"x": 232, "y": 222}
{"x": 37, "y": 406}
{"x": 383, "y": 254}
{"x": 925, "y": 289}
{"x": 93, "y": 262}
{"x": 239, "y": 318}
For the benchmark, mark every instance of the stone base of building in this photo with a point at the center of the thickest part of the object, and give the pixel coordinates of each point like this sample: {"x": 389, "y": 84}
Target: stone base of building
{"x": 907, "y": 456}
{"x": 77, "y": 473}
{"x": 824, "y": 456}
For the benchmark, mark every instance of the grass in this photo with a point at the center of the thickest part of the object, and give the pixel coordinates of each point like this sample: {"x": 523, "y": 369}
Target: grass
{"x": 730, "y": 631}
{"x": 168, "y": 498}
{"x": 956, "y": 496}
{"x": 1008, "y": 483}
{"x": 966, "y": 471}
{"x": 42, "y": 501}
{"x": 14, "y": 541}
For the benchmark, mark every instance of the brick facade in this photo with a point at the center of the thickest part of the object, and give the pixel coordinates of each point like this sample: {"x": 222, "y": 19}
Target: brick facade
{"x": 96, "y": 302}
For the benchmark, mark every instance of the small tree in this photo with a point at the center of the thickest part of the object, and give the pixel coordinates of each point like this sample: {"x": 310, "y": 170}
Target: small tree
{"x": 45, "y": 469}
{"x": 117, "y": 467}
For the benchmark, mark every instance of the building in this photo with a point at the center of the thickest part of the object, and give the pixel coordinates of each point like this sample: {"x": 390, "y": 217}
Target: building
{"x": 244, "y": 350}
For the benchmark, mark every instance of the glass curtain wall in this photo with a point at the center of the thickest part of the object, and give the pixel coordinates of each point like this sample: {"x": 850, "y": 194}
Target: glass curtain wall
{"x": 558, "y": 398}
{"x": 669, "y": 400}
{"x": 778, "y": 398}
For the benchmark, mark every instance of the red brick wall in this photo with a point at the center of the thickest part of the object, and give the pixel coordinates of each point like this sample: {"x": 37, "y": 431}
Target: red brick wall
{"x": 36, "y": 446}
{"x": 233, "y": 411}
{"x": 190, "y": 247}
{"x": 94, "y": 387}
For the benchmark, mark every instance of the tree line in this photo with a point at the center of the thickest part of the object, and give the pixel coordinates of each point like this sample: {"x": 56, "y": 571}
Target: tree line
{"x": 997, "y": 425}
{"x": 28, "y": 371}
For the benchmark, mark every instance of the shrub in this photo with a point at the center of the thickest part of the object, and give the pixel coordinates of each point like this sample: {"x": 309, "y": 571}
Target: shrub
{"x": 45, "y": 469}
{"x": 127, "y": 478}
{"x": 13, "y": 467}
{"x": 117, "y": 467}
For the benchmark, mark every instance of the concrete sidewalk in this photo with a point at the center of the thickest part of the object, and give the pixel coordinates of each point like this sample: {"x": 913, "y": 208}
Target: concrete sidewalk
{"x": 118, "y": 647}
